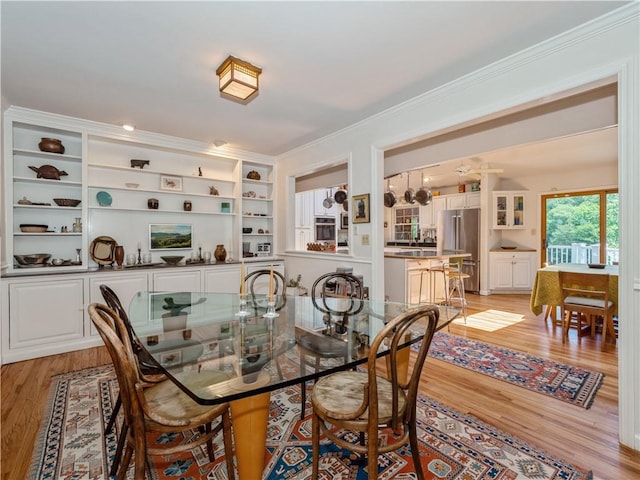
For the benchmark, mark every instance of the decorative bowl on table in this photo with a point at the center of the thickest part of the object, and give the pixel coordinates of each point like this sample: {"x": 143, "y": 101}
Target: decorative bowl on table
{"x": 172, "y": 259}
{"x": 33, "y": 259}
{"x": 33, "y": 228}
{"x": 67, "y": 202}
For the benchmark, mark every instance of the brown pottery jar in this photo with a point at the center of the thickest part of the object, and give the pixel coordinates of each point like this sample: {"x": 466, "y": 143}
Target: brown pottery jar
{"x": 51, "y": 145}
{"x": 220, "y": 253}
{"x": 153, "y": 203}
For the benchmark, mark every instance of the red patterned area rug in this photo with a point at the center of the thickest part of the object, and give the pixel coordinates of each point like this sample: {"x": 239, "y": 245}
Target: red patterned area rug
{"x": 452, "y": 445}
{"x": 563, "y": 382}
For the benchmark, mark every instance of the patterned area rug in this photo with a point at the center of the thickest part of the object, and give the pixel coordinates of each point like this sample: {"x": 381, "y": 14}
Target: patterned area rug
{"x": 452, "y": 445}
{"x": 564, "y": 382}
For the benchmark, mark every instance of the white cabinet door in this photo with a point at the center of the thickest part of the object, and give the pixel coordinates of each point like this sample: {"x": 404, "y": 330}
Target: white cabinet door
{"x": 473, "y": 200}
{"x": 511, "y": 271}
{"x": 439, "y": 204}
{"x": 319, "y": 197}
{"x": 456, "y": 201}
{"x": 501, "y": 271}
{"x": 303, "y": 237}
{"x": 523, "y": 271}
{"x": 222, "y": 279}
{"x": 125, "y": 286}
{"x": 45, "y": 312}
{"x": 426, "y": 216}
{"x": 177, "y": 281}
{"x": 304, "y": 209}
{"x": 508, "y": 210}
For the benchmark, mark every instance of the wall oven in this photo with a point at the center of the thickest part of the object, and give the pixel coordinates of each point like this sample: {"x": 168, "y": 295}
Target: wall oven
{"x": 325, "y": 229}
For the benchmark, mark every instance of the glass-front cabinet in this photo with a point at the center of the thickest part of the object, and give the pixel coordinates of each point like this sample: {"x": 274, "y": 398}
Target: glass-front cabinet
{"x": 508, "y": 210}
{"x": 406, "y": 223}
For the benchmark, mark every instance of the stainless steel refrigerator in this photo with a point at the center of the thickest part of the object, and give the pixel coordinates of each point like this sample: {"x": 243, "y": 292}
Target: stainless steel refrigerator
{"x": 460, "y": 230}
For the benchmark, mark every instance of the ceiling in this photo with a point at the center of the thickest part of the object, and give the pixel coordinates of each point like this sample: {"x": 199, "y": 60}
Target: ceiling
{"x": 326, "y": 65}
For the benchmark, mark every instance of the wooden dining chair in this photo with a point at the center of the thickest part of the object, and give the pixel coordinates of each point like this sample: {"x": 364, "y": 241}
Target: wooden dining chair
{"x": 363, "y": 402}
{"x": 148, "y": 371}
{"x": 587, "y": 296}
{"x": 161, "y": 408}
{"x": 348, "y": 293}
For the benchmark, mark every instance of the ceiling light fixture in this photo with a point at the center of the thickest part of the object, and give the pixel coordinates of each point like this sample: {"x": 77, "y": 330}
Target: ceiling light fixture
{"x": 219, "y": 143}
{"x": 238, "y": 79}
{"x": 128, "y": 128}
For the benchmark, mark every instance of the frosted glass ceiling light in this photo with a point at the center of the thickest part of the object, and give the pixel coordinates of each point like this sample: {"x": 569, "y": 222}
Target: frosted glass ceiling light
{"x": 238, "y": 79}
{"x": 128, "y": 128}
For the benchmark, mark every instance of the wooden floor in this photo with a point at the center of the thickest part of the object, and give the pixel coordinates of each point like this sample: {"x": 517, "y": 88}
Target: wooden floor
{"x": 588, "y": 438}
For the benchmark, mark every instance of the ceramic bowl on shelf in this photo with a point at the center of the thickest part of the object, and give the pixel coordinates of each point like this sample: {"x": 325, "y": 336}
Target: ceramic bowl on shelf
{"x": 104, "y": 199}
{"x": 67, "y": 202}
{"x": 172, "y": 259}
{"x": 33, "y": 259}
{"x": 32, "y": 228}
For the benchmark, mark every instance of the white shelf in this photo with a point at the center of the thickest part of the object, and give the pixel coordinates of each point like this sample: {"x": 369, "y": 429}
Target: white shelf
{"x": 157, "y": 211}
{"x": 256, "y": 199}
{"x": 47, "y": 234}
{"x": 148, "y": 171}
{"x": 53, "y": 206}
{"x": 48, "y": 155}
{"x": 161, "y": 192}
{"x": 45, "y": 181}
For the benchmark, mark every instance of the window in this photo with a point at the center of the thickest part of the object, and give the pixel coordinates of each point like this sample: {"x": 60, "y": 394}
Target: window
{"x": 575, "y": 225}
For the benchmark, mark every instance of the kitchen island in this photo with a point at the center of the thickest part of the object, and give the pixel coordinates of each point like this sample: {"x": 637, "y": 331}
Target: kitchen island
{"x": 409, "y": 276}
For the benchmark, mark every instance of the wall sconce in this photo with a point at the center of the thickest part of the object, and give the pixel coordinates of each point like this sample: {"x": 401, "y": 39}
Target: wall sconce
{"x": 238, "y": 78}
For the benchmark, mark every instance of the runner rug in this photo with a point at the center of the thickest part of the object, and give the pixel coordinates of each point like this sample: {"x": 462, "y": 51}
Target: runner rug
{"x": 564, "y": 382}
{"x": 453, "y": 445}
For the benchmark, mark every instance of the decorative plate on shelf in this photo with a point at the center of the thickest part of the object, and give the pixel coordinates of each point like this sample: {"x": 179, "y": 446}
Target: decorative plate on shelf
{"x": 102, "y": 250}
{"x": 104, "y": 199}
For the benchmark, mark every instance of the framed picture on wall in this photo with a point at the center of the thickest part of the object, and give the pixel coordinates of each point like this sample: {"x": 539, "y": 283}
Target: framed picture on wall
{"x": 360, "y": 208}
{"x": 170, "y": 183}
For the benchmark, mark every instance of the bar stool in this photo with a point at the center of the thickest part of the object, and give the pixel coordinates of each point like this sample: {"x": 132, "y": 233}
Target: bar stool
{"x": 455, "y": 278}
{"x": 432, "y": 271}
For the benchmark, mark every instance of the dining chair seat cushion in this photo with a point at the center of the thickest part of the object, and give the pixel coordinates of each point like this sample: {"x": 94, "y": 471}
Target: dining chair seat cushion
{"x": 171, "y": 404}
{"x": 342, "y": 393}
{"x": 585, "y": 302}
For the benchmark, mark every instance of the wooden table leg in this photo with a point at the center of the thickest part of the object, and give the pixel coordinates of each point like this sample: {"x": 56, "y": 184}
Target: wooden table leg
{"x": 249, "y": 417}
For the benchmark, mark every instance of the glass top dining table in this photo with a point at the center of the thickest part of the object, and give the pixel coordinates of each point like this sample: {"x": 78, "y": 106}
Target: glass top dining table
{"x": 220, "y": 347}
{"x": 255, "y": 350}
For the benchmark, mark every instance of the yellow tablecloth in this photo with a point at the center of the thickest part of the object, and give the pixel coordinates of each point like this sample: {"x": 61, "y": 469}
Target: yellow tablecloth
{"x": 547, "y": 291}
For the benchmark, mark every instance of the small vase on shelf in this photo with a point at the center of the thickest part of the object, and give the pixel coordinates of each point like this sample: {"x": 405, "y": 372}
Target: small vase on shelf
{"x": 220, "y": 253}
{"x": 119, "y": 255}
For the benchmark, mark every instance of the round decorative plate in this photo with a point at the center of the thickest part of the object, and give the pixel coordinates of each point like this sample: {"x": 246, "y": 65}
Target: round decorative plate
{"x": 104, "y": 199}
{"x": 102, "y": 250}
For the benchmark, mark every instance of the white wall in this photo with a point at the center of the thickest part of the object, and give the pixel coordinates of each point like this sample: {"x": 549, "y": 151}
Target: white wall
{"x": 596, "y": 51}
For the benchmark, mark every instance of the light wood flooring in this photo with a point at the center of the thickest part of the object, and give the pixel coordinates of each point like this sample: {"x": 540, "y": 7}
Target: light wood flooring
{"x": 588, "y": 438}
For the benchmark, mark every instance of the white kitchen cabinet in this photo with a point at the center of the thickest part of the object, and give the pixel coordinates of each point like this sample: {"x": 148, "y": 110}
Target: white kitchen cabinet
{"x": 125, "y": 286}
{"x": 511, "y": 270}
{"x": 303, "y": 237}
{"x": 427, "y": 219}
{"x": 439, "y": 205}
{"x": 222, "y": 279}
{"x": 319, "y": 197}
{"x": 183, "y": 280}
{"x": 402, "y": 280}
{"x": 45, "y": 312}
{"x": 508, "y": 210}
{"x": 463, "y": 200}
{"x": 304, "y": 209}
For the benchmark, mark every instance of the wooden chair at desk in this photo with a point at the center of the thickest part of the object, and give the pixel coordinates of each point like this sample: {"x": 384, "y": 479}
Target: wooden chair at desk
{"x": 161, "y": 408}
{"x": 363, "y": 402}
{"x": 338, "y": 295}
{"x": 586, "y": 295}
